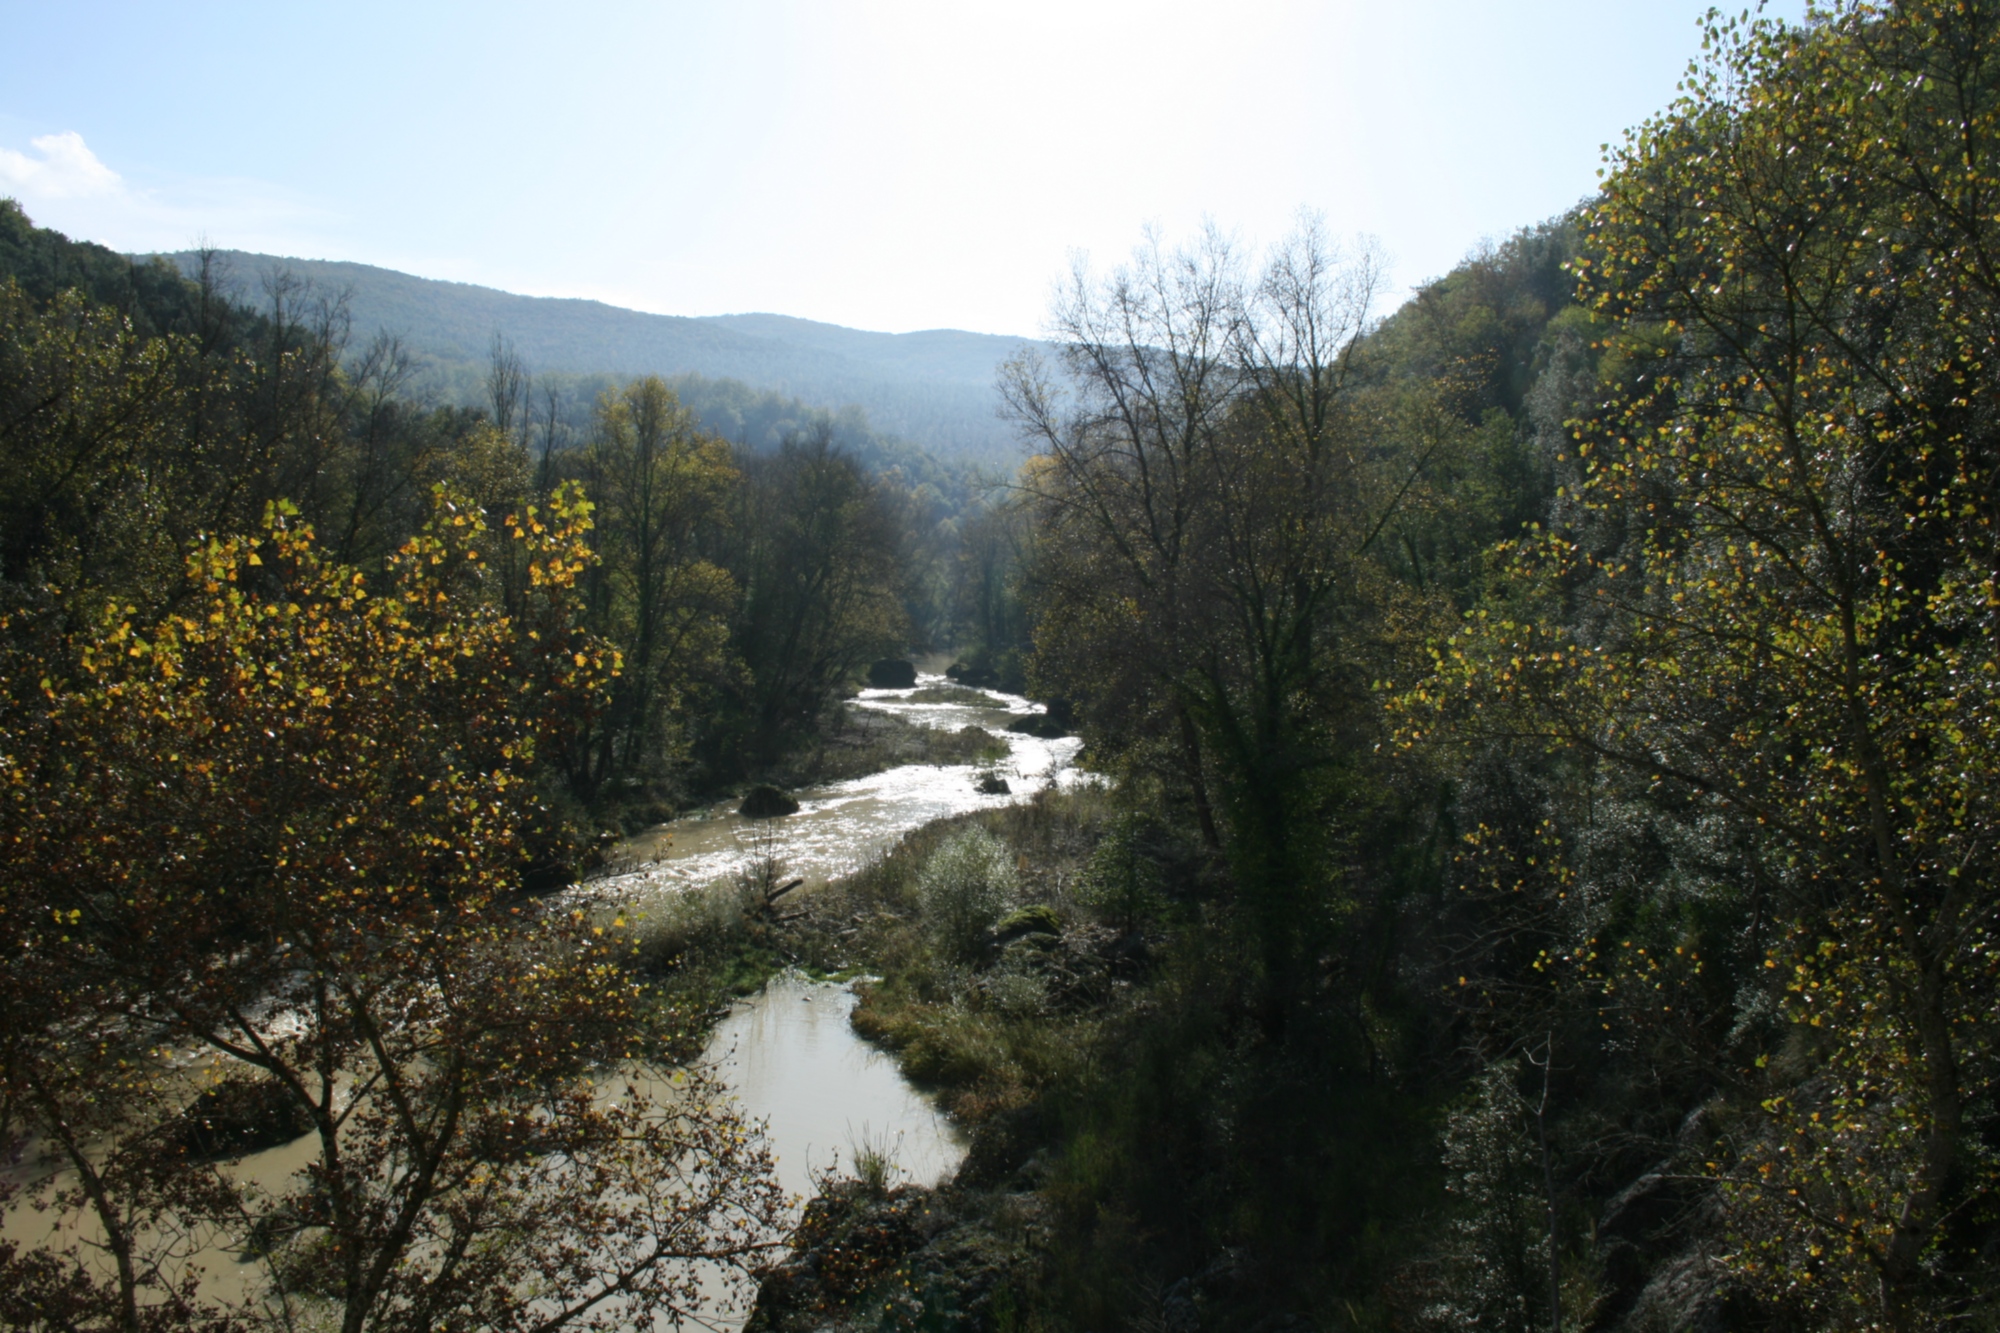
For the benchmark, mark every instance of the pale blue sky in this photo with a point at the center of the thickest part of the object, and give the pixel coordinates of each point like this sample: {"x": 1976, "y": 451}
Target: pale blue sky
{"x": 887, "y": 164}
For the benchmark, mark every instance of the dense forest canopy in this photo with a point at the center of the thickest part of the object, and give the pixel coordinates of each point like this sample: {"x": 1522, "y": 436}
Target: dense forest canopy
{"x": 1544, "y": 876}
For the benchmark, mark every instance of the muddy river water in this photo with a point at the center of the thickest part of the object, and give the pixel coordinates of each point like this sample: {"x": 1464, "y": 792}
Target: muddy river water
{"x": 842, "y": 826}
{"x": 788, "y": 1054}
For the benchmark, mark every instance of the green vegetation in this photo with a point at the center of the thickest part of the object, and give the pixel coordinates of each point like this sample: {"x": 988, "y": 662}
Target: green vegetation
{"x": 273, "y": 839}
{"x": 745, "y": 585}
{"x": 1552, "y": 732}
{"x": 307, "y": 690}
{"x": 980, "y": 994}
{"x": 1545, "y": 873}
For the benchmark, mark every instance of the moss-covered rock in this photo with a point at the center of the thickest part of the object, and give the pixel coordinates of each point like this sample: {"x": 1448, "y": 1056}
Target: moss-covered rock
{"x": 1034, "y": 919}
{"x": 905, "y": 1258}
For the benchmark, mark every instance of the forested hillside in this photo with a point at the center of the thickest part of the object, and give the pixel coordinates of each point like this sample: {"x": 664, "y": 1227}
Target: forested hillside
{"x": 934, "y": 387}
{"x": 147, "y": 410}
{"x": 1550, "y": 880}
{"x": 1542, "y": 874}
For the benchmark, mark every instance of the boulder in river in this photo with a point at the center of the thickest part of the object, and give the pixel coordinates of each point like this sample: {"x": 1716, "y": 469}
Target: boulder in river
{"x": 764, "y": 801}
{"x": 991, "y": 784}
{"x": 892, "y": 674}
{"x": 978, "y": 677}
{"x": 1039, "y": 725}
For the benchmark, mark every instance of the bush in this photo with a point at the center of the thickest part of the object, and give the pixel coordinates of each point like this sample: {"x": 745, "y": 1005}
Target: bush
{"x": 767, "y": 802}
{"x": 964, "y": 887}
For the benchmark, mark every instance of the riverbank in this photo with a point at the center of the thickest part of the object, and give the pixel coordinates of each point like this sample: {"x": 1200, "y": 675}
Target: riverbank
{"x": 991, "y": 1021}
{"x": 997, "y": 940}
{"x": 1147, "y": 1146}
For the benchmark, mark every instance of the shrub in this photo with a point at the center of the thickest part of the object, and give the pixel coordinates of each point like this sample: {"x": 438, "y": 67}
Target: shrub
{"x": 964, "y": 887}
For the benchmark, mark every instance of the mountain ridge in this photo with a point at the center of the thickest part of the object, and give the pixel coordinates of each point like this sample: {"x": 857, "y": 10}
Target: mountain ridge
{"x": 933, "y": 387}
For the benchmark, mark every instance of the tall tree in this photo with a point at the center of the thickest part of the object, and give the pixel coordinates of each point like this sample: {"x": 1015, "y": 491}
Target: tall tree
{"x": 283, "y": 825}
{"x": 1772, "y": 597}
{"x": 660, "y": 484}
{"x": 1208, "y": 497}
{"x": 819, "y": 560}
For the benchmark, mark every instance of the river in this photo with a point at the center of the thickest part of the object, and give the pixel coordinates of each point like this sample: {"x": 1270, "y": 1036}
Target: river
{"x": 842, "y": 826}
{"x": 788, "y": 1054}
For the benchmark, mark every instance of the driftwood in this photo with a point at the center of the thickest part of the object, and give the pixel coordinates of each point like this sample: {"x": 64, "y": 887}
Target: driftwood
{"x": 766, "y": 908}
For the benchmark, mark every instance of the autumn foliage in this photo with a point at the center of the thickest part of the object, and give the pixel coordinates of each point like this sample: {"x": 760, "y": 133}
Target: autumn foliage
{"x": 275, "y": 836}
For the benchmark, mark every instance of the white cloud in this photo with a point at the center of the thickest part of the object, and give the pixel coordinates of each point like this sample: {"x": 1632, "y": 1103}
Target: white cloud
{"x": 66, "y": 169}
{"x": 62, "y": 184}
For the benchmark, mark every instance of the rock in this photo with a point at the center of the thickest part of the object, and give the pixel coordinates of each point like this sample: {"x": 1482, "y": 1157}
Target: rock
{"x": 1644, "y": 1208}
{"x": 892, "y": 674}
{"x": 766, "y": 802}
{"x": 1642, "y": 1239}
{"x": 1040, "y": 725}
{"x": 1687, "y": 1295}
{"x": 848, "y": 1241}
{"x": 861, "y": 1261}
{"x": 991, "y": 784}
{"x": 240, "y": 1116}
{"x": 978, "y": 677}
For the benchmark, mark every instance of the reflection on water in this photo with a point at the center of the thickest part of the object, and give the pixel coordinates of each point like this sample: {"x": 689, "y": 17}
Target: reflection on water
{"x": 793, "y": 1059}
{"x": 226, "y": 1274}
{"x": 842, "y": 826}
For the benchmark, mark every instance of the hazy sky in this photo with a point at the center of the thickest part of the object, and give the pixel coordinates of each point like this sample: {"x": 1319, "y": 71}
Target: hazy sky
{"x": 888, "y": 164}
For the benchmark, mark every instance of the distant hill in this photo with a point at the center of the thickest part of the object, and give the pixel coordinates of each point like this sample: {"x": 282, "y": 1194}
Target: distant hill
{"x": 934, "y": 388}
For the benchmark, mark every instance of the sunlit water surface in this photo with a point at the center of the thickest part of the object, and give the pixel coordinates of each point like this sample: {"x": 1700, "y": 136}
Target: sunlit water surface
{"x": 844, "y": 825}
{"x": 789, "y": 1054}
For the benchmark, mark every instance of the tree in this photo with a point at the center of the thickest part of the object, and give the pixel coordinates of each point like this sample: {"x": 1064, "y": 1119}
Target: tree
{"x": 819, "y": 561}
{"x": 120, "y": 443}
{"x": 987, "y": 613}
{"x": 661, "y": 485}
{"x": 83, "y": 402}
{"x": 1771, "y": 597}
{"x": 509, "y": 391}
{"x": 283, "y": 825}
{"x": 1208, "y": 496}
